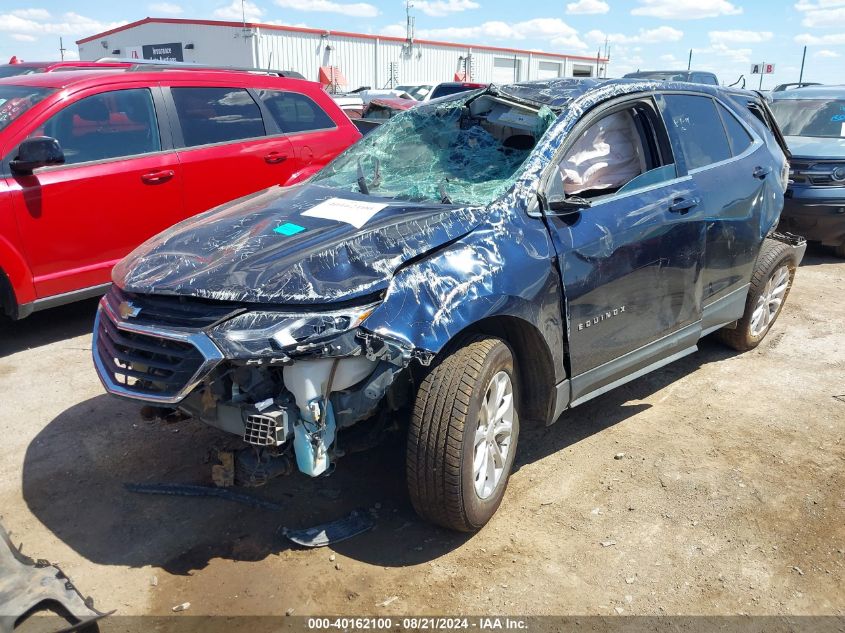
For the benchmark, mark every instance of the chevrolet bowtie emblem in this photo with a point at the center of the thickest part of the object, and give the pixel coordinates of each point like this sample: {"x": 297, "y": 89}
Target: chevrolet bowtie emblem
{"x": 128, "y": 310}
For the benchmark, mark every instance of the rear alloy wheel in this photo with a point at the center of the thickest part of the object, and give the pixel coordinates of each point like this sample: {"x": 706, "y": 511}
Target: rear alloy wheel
{"x": 463, "y": 435}
{"x": 770, "y": 285}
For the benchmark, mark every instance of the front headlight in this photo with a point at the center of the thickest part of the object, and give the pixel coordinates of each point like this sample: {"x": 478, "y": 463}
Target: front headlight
{"x": 269, "y": 333}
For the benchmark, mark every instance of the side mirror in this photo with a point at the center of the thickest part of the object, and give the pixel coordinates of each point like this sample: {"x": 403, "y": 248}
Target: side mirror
{"x": 562, "y": 205}
{"x": 39, "y": 151}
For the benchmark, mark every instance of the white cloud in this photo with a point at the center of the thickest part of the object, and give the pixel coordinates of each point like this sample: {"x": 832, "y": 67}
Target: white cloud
{"x": 553, "y": 30}
{"x": 358, "y": 9}
{"x": 685, "y": 9}
{"x": 822, "y": 13}
{"x": 669, "y": 59}
{"x": 232, "y": 11}
{"x": 32, "y": 14}
{"x": 826, "y": 53}
{"x": 657, "y": 35}
{"x": 740, "y": 37}
{"x": 41, "y": 22}
{"x": 587, "y": 7}
{"x": 734, "y": 55}
{"x": 167, "y": 8}
{"x": 819, "y": 17}
{"x": 835, "y": 39}
{"x": 439, "y": 8}
{"x": 21, "y": 37}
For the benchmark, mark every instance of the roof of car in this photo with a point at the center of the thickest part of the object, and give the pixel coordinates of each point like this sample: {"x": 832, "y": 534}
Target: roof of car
{"x": 811, "y": 92}
{"x": 98, "y": 76}
{"x": 556, "y": 93}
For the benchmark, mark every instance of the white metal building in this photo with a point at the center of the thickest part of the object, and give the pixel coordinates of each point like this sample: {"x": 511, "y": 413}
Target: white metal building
{"x": 364, "y": 60}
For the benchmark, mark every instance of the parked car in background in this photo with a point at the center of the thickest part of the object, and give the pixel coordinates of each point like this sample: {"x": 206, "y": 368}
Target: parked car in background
{"x": 352, "y": 105}
{"x": 692, "y": 76}
{"x": 29, "y": 68}
{"x": 452, "y": 88}
{"x": 369, "y": 95}
{"x": 417, "y": 91}
{"x": 95, "y": 162}
{"x": 813, "y": 120}
{"x": 793, "y": 86}
{"x": 476, "y": 264}
{"x": 381, "y": 109}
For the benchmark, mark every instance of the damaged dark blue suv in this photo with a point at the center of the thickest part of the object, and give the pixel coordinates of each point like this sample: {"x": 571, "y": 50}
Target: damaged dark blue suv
{"x": 476, "y": 263}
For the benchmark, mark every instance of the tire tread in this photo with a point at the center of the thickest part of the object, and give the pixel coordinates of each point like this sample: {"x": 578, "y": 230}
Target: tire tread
{"x": 436, "y": 432}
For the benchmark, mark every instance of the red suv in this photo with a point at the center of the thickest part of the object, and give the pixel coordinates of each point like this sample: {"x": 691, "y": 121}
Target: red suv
{"x": 95, "y": 162}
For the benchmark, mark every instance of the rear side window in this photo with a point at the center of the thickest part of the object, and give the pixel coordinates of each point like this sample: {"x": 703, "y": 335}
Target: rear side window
{"x": 217, "y": 115}
{"x": 294, "y": 112}
{"x": 699, "y": 128}
{"x": 738, "y": 136}
{"x": 114, "y": 124}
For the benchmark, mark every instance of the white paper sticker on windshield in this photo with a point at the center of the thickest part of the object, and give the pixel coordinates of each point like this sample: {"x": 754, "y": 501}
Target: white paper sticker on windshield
{"x": 354, "y": 212}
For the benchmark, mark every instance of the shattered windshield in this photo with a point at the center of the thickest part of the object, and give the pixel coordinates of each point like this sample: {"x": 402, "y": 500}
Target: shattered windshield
{"x": 810, "y": 117}
{"x": 459, "y": 152}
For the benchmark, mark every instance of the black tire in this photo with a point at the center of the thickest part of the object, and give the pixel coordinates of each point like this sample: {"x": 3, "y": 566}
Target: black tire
{"x": 840, "y": 250}
{"x": 773, "y": 256}
{"x": 442, "y": 433}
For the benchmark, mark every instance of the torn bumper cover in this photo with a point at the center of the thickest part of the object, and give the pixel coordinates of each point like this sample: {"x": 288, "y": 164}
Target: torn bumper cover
{"x": 280, "y": 380}
{"x": 27, "y": 585}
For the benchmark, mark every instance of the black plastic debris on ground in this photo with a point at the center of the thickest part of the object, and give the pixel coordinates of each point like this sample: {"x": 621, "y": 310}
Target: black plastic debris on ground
{"x": 28, "y": 585}
{"x": 188, "y": 490}
{"x": 332, "y": 532}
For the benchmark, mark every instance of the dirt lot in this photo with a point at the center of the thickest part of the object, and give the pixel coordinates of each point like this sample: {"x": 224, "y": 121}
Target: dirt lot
{"x": 730, "y": 497}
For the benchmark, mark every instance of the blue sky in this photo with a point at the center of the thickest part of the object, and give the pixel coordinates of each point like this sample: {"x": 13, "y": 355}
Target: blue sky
{"x": 725, "y": 35}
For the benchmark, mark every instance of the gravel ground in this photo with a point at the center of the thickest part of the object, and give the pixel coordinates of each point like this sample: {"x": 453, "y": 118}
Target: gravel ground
{"x": 729, "y": 498}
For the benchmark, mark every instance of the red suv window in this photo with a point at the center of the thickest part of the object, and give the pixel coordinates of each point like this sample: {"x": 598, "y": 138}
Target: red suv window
{"x": 294, "y": 112}
{"x": 107, "y": 125}
{"x": 217, "y": 115}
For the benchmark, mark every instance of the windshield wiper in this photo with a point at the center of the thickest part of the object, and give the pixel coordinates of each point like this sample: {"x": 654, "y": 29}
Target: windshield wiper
{"x": 444, "y": 197}
{"x": 363, "y": 186}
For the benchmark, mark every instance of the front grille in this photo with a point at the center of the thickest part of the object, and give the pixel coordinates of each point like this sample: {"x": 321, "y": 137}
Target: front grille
{"x": 173, "y": 311}
{"x": 145, "y": 364}
{"x": 815, "y": 173}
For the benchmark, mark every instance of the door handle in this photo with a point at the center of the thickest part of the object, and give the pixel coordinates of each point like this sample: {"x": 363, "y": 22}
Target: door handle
{"x": 157, "y": 177}
{"x": 275, "y": 157}
{"x": 683, "y": 205}
{"x": 761, "y": 172}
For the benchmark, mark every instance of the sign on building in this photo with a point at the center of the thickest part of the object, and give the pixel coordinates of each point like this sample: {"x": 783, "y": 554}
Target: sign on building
{"x": 133, "y": 52}
{"x": 164, "y": 52}
{"x": 762, "y": 69}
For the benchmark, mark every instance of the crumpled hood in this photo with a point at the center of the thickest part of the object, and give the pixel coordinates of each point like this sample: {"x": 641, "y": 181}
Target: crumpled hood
{"x": 816, "y": 147}
{"x": 263, "y": 249}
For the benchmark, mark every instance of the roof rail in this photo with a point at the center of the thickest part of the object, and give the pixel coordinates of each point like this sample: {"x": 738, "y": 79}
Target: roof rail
{"x": 259, "y": 71}
{"x": 139, "y": 65}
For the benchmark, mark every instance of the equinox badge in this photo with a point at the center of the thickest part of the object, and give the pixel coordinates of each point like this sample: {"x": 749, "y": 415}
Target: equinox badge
{"x": 609, "y": 314}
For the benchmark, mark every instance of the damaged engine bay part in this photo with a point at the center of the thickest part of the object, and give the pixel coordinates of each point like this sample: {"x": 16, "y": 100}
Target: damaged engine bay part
{"x": 357, "y": 522}
{"x": 538, "y": 243}
{"x": 28, "y": 586}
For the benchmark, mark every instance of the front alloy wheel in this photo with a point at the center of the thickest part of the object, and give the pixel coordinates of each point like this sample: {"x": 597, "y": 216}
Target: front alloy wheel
{"x": 493, "y": 435}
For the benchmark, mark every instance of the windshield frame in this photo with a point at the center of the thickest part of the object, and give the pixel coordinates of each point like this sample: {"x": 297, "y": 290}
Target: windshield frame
{"x": 819, "y": 106}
